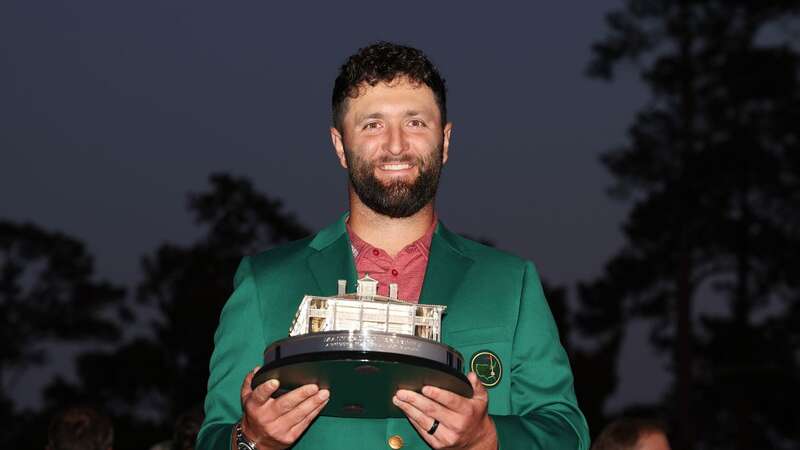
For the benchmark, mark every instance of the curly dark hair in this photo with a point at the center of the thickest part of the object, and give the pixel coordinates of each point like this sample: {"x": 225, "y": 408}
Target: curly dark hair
{"x": 383, "y": 62}
{"x": 624, "y": 433}
{"x": 186, "y": 428}
{"x": 80, "y": 428}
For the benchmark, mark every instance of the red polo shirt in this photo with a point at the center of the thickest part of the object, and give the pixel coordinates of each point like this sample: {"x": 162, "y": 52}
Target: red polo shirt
{"x": 407, "y": 269}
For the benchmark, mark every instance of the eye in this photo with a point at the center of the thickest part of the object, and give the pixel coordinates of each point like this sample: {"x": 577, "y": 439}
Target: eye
{"x": 416, "y": 123}
{"x": 371, "y": 125}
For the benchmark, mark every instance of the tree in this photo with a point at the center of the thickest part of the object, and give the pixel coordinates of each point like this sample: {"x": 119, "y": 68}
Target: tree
{"x": 190, "y": 285}
{"x": 151, "y": 380}
{"x": 48, "y": 294}
{"x": 711, "y": 169}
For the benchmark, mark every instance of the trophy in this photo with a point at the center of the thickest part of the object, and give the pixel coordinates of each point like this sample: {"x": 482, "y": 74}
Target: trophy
{"x": 363, "y": 347}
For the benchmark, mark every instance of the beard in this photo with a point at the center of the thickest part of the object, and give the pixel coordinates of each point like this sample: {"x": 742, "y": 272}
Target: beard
{"x": 398, "y": 198}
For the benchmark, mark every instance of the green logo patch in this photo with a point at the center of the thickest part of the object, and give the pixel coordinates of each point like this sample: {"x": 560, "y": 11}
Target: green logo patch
{"x": 487, "y": 367}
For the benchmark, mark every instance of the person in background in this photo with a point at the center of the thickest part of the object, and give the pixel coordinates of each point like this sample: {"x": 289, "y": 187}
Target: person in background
{"x": 184, "y": 434}
{"x": 186, "y": 428}
{"x": 80, "y": 428}
{"x": 633, "y": 434}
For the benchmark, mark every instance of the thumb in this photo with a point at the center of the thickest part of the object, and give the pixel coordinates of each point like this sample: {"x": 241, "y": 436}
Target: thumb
{"x": 248, "y": 380}
{"x": 478, "y": 390}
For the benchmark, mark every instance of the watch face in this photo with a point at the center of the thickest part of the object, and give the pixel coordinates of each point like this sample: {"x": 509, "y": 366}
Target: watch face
{"x": 243, "y": 444}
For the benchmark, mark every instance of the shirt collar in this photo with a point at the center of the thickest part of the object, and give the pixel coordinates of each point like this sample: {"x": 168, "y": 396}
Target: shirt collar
{"x": 423, "y": 244}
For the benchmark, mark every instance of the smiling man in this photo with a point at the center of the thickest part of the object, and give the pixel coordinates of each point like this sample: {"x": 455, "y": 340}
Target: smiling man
{"x": 390, "y": 132}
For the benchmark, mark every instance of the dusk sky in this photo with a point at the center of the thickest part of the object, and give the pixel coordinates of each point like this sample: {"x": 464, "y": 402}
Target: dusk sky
{"x": 110, "y": 112}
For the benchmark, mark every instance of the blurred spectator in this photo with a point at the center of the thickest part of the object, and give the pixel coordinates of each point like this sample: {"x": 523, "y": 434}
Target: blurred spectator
{"x": 80, "y": 428}
{"x": 185, "y": 433}
{"x": 632, "y": 434}
{"x": 186, "y": 428}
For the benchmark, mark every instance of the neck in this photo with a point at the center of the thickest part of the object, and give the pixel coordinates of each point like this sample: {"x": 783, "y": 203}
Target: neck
{"x": 388, "y": 233}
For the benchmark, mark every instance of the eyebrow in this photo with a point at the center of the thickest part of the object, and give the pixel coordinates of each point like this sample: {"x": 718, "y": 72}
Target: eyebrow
{"x": 380, "y": 115}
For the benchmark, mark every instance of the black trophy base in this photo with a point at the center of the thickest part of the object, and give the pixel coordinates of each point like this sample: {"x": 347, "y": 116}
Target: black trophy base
{"x": 363, "y": 382}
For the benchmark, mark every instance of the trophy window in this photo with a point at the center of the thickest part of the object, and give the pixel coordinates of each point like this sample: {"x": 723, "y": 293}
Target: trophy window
{"x": 358, "y": 312}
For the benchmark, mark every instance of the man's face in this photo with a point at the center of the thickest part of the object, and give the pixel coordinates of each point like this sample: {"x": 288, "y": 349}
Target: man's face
{"x": 393, "y": 144}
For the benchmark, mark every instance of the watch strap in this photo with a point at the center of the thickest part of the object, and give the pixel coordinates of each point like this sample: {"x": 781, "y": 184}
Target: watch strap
{"x": 242, "y": 442}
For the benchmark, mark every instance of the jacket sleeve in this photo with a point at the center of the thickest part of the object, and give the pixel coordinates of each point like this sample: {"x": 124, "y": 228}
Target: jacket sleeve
{"x": 545, "y": 411}
{"x": 238, "y": 347}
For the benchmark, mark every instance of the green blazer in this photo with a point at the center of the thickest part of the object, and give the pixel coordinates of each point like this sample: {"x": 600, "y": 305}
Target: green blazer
{"x": 495, "y": 302}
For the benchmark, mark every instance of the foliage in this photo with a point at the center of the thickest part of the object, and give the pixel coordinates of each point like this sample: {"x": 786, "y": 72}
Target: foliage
{"x": 711, "y": 169}
{"x": 151, "y": 380}
{"x": 48, "y": 293}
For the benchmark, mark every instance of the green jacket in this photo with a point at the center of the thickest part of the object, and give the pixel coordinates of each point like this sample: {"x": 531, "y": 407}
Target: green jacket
{"x": 495, "y": 302}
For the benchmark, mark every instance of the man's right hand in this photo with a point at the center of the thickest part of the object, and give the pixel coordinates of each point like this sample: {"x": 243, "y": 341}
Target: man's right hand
{"x": 276, "y": 423}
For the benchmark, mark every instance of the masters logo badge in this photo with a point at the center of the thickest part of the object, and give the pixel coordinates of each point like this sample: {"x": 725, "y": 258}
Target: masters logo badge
{"x": 487, "y": 367}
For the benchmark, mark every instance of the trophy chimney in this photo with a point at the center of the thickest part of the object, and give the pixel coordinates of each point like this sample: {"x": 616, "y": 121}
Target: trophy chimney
{"x": 342, "y": 288}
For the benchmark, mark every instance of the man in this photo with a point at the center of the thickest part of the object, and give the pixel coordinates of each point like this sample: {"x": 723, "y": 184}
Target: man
{"x": 80, "y": 428}
{"x": 392, "y": 136}
{"x": 186, "y": 428}
{"x": 632, "y": 434}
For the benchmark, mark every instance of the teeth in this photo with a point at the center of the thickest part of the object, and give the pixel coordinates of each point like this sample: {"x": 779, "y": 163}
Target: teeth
{"x": 395, "y": 166}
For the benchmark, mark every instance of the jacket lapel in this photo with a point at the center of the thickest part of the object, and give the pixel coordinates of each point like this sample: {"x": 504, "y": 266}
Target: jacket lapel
{"x": 333, "y": 259}
{"x": 447, "y": 266}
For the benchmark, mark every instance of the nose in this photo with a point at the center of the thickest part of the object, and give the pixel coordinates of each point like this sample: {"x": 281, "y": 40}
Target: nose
{"x": 396, "y": 142}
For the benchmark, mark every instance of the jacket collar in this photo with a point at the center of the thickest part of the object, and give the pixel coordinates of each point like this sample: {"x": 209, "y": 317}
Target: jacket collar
{"x": 333, "y": 260}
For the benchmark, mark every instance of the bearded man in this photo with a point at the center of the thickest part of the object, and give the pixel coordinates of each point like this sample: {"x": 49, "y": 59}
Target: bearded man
{"x": 390, "y": 132}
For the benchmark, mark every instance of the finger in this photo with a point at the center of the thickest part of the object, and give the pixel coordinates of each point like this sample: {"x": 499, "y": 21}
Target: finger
{"x": 290, "y": 400}
{"x": 446, "y": 398}
{"x": 422, "y": 423}
{"x": 478, "y": 390}
{"x": 431, "y": 408}
{"x": 248, "y": 380}
{"x": 301, "y": 426}
{"x": 263, "y": 392}
{"x": 297, "y": 414}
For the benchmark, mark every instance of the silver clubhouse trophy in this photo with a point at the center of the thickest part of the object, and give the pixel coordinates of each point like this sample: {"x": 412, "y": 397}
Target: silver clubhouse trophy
{"x": 363, "y": 347}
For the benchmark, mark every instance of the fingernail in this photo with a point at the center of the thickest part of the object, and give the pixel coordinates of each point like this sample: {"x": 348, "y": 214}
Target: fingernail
{"x": 273, "y": 383}
{"x": 255, "y": 369}
{"x": 395, "y": 400}
{"x": 323, "y": 394}
{"x": 426, "y": 390}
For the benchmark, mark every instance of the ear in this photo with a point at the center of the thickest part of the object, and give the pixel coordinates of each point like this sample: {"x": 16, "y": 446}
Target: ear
{"x": 338, "y": 146}
{"x": 448, "y": 128}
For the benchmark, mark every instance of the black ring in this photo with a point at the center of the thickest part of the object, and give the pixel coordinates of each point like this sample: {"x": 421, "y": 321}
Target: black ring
{"x": 434, "y": 427}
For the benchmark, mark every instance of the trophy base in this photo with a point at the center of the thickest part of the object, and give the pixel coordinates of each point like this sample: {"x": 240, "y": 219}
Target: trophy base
{"x": 361, "y": 370}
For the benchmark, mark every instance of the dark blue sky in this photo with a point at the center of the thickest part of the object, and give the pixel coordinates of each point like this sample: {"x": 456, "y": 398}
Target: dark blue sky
{"x": 111, "y": 112}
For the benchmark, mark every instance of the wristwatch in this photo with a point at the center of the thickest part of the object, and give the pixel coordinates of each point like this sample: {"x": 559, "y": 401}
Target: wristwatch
{"x": 242, "y": 443}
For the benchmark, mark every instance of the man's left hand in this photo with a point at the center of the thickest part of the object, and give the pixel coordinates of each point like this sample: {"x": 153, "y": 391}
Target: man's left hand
{"x": 463, "y": 422}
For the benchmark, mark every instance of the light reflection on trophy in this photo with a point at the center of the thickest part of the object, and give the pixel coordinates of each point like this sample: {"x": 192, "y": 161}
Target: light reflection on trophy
{"x": 363, "y": 347}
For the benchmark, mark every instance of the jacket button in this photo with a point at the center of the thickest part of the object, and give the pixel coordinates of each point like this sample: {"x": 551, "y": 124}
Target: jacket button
{"x": 395, "y": 442}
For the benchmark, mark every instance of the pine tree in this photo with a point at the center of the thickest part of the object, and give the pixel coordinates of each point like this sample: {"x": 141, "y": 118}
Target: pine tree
{"x": 711, "y": 171}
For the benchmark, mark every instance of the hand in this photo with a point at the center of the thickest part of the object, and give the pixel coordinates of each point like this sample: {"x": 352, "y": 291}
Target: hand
{"x": 276, "y": 423}
{"x": 463, "y": 422}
